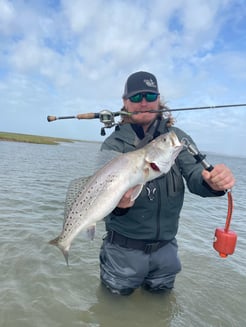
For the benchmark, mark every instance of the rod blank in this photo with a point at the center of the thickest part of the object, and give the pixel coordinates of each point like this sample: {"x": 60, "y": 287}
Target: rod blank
{"x": 210, "y": 107}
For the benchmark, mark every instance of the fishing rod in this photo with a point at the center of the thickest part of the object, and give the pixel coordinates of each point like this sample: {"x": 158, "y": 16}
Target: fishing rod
{"x": 107, "y": 117}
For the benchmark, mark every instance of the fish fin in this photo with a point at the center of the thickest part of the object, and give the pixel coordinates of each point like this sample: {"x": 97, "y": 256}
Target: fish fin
{"x": 90, "y": 232}
{"x": 64, "y": 251}
{"x": 136, "y": 191}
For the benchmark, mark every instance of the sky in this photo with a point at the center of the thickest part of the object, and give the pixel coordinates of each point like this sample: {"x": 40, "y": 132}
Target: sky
{"x": 68, "y": 57}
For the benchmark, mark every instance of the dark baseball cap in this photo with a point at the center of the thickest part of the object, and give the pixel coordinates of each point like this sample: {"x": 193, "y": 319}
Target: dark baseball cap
{"x": 140, "y": 82}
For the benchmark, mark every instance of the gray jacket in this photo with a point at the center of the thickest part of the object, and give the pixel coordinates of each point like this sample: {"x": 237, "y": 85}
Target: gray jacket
{"x": 155, "y": 214}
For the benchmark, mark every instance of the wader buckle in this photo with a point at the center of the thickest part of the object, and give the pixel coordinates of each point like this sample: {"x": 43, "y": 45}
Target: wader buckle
{"x": 152, "y": 247}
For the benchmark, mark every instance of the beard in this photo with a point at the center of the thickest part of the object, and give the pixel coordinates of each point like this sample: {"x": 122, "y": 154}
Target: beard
{"x": 143, "y": 118}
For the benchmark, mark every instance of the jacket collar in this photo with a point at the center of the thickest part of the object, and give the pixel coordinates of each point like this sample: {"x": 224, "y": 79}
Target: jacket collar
{"x": 127, "y": 132}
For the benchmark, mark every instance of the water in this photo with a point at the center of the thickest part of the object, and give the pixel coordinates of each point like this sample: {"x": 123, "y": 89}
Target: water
{"x": 39, "y": 290}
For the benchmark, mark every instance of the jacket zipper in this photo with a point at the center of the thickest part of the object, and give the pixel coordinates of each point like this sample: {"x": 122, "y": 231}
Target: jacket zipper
{"x": 158, "y": 216}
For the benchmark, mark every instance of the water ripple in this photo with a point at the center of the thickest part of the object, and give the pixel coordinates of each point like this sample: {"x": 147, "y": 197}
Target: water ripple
{"x": 38, "y": 289}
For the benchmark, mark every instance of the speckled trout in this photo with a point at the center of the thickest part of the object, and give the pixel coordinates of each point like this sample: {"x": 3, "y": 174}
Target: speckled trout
{"x": 102, "y": 191}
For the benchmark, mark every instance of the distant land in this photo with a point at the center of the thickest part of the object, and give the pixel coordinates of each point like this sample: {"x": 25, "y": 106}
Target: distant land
{"x": 27, "y": 138}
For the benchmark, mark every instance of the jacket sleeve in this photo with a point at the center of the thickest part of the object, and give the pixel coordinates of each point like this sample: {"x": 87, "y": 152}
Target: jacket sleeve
{"x": 112, "y": 144}
{"x": 192, "y": 171}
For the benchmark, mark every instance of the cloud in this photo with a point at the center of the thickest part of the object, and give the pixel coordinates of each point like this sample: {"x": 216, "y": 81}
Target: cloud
{"x": 66, "y": 57}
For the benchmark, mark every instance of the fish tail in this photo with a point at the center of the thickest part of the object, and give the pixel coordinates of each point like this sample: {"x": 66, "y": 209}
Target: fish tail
{"x": 64, "y": 251}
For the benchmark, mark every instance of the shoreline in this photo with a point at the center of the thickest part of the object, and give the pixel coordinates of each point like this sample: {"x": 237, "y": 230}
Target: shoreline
{"x": 35, "y": 139}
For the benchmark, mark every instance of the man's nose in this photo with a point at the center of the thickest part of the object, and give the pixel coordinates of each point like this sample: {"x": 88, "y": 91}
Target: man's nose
{"x": 144, "y": 102}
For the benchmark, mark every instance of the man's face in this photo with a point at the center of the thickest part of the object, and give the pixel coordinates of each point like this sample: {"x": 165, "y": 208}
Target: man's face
{"x": 143, "y": 117}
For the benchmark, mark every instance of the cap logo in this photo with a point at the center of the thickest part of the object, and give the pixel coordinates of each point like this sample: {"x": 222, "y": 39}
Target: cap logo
{"x": 150, "y": 83}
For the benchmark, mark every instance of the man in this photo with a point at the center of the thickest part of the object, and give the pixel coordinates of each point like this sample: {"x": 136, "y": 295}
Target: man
{"x": 140, "y": 249}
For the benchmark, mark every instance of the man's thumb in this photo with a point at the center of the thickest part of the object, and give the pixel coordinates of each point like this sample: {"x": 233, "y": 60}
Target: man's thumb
{"x": 206, "y": 174}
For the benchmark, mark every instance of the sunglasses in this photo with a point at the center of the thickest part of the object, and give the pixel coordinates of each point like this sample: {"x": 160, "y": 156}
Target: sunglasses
{"x": 149, "y": 97}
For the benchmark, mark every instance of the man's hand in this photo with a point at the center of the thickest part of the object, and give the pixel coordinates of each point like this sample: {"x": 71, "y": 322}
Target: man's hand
{"x": 220, "y": 178}
{"x": 126, "y": 201}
